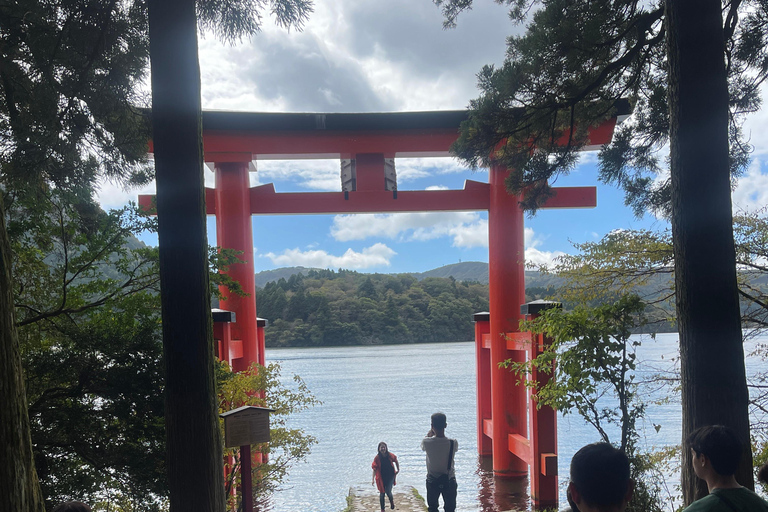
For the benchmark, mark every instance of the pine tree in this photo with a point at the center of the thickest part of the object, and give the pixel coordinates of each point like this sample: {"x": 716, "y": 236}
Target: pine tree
{"x": 690, "y": 73}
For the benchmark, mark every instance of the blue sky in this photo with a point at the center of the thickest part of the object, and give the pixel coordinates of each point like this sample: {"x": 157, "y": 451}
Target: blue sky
{"x": 374, "y": 56}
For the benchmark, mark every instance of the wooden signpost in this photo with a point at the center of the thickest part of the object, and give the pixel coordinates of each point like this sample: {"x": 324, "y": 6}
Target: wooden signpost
{"x": 243, "y": 427}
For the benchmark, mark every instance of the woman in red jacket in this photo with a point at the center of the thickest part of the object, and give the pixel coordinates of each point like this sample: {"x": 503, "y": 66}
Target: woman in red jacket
{"x": 384, "y": 473}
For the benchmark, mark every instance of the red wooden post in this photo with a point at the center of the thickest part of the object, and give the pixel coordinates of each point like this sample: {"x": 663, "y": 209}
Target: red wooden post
{"x": 370, "y": 172}
{"x": 483, "y": 371}
{"x": 246, "y": 479}
{"x": 234, "y": 231}
{"x": 543, "y": 422}
{"x": 506, "y": 274}
{"x": 222, "y": 333}
{"x": 261, "y": 323}
{"x": 222, "y": 336}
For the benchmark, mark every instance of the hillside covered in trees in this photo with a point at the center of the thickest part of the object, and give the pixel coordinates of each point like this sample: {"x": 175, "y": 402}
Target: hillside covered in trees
{"x": 318, "y": 307}
{"x": 326, "y": 307}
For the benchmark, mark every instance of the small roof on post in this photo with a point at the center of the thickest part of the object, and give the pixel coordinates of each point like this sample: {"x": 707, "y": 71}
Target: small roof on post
{"x": 537, "y": 306}
{"x": 246, "y": 425}
{"x": 222, "y": 315}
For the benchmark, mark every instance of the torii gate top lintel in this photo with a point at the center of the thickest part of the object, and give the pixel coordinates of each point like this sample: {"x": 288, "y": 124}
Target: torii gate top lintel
{"x": 248, "y": 136}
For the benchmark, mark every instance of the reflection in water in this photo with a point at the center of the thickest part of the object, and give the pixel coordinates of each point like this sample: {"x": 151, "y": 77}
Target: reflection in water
{"x": 500, "y": 494}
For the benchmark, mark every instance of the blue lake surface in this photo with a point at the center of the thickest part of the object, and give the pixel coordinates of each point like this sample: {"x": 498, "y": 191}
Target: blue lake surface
{"x": 387, "y": 393}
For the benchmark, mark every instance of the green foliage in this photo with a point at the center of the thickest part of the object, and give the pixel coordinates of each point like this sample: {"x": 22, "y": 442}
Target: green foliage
{"x": 96, "y": 406}
{"x": 649, "y": 470}
{"x": 219, "y": 260}
{"x": 566, "y": 73}
{"x": 70, "y": 87}
{"x": 595, "y": 362}
{"x": 89, "y": 332}
{"x": 628, "y": 261}
{"x": 750, "y": 232}
{"x": 88, "y": 311}
{"x": 624, "y": 262}
{"x": 288, "y": 445}
{"x": 760, "y": 451}
{"x": 70, "y": 257}
{"x": 642, "y": 262}
{"x": 71, "y": 83}
{"x": 72, "y": 78}
{"x": 346, "y": 308}
{"x": 233, "y": 20}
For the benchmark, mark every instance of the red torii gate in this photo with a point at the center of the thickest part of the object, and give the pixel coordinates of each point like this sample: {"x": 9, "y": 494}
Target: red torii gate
{"x": 367, "y": 141}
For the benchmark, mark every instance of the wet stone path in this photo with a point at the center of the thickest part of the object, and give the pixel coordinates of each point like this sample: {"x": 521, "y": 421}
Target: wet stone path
{"x": 407, "y": 499}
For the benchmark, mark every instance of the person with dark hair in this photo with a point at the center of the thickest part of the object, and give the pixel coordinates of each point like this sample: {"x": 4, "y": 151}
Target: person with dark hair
{"x": 441, "y": 474}
{"x": 384, "y": 473}
{"x": 600, "y": 480}
{"x": 715, "y": 456}
{"x": 762, "y": 474}
{"x": 72, "y": 506}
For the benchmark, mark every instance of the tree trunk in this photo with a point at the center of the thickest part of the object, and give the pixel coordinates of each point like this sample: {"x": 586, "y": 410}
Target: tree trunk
{"x": 714, "y": 389}
{"x": 19, "y": 487}
{"x": 195, "y": 471}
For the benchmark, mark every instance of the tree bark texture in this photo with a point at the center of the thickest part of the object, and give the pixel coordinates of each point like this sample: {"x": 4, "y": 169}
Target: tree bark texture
{"x": 195, "y": 470}
{"x": 714, "y": 389}
{"x": 19, "y": 486}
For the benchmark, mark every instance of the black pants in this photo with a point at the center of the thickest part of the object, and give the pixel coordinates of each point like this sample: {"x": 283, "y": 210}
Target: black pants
{"x": 449, "y": 495}
{"x": 388, "y": 492}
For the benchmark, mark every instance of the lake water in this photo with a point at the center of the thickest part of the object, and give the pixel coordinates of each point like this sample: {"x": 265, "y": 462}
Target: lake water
{"x": 387, "y": 393}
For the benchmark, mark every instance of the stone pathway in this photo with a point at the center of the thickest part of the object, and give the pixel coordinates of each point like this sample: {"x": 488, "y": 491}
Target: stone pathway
{"x": 366, "y": 499}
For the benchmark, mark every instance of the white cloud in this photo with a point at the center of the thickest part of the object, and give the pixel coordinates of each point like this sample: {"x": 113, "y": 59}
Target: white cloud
{"x": 323, "y": 175}
{"x": 466, "y": 228}
{"x": 409, "y": 169}
{"x": 112, "y": 196}
{"x": 751, "y": 192}
{"x": 320, "y": 175}
{"x": 756, "y": 126}
{"x": 357, "y": 55}
{"x": 377, "y": 255}
{"x": 471, "y": 235}
{"x": 535, "y": 258}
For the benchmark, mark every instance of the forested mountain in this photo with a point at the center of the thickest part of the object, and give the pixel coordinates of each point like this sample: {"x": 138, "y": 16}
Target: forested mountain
{"x": 326, "y": 307}
{"x": 464, "y": 271}
{"x": 317, "y": 307}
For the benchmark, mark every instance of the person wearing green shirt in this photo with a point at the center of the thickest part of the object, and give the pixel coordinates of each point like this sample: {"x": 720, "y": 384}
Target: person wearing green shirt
{"x": 715, "y": 455}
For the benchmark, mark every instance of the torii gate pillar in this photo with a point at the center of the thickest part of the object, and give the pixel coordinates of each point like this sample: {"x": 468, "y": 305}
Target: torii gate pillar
{"x": 234, "y": 231}
{"x": 506, "y": 289}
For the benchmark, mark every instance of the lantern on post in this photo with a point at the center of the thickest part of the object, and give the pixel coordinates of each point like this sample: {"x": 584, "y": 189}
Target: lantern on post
{"x": 243, "y": 427}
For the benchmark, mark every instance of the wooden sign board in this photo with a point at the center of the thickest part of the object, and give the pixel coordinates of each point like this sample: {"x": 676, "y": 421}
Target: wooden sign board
{"x": 246, "y": 426}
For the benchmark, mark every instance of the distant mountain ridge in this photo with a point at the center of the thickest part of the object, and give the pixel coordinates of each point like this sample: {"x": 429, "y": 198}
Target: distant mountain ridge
{"x": 537, "y": 284}
{"x": 472, "y": 271}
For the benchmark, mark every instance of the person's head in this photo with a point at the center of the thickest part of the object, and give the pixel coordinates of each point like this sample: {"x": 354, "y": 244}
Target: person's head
{"x": 439, "y": 421}
{"x": 600, "y": 478}
{"x": 762, "y": 474}
{"x": 382, "y": 449}
{"x": 719, "y": 445}
{"x": 72, "y": 506}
